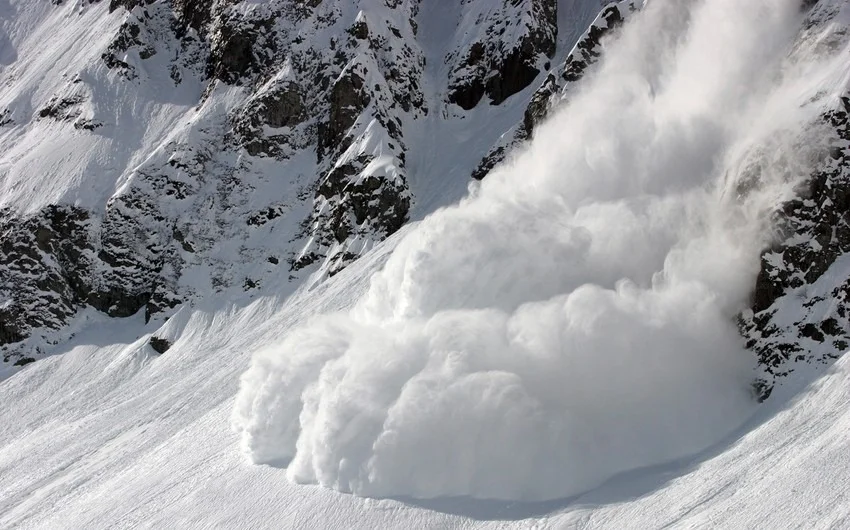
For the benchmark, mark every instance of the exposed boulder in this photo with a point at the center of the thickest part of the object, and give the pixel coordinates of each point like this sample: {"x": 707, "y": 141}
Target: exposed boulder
{"x": 23, "y": 361}
{"x": 159, "y": 344}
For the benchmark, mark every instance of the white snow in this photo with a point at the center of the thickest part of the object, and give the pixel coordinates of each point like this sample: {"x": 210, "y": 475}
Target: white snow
{"x": 560, "y": 340}
{"x": 108, "y": 435}
{"x": 574, "y": 317}
{"x": 57, "y": 51}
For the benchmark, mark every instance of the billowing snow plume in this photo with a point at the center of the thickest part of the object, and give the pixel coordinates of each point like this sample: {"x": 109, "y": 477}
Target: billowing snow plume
{"x": 574, "y": 317}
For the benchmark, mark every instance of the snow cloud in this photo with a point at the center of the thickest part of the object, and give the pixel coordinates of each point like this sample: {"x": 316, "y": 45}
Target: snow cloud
{"x": 574, "y": 316}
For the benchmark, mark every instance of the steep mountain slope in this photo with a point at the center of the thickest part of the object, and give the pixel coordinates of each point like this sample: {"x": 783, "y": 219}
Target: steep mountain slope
{"x": 180, "y": 149}
{"x": 190, "y": 190}
{"x": 574, "y": 316}
{"x": 167, "y": 152}
{"x": 799, "y": 310}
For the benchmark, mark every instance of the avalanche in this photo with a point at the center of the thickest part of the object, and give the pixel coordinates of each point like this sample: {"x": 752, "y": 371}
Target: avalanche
{"x": 573, "y": 318}
{"x": 556, "y": 349}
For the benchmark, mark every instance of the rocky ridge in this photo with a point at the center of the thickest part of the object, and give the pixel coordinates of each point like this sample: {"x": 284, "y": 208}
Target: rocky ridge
{"x": 293, "y": 159}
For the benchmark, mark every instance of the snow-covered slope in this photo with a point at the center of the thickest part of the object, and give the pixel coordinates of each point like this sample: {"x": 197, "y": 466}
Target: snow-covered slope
{"x": 198, "y": 191}
{"x": 111, "y": 435}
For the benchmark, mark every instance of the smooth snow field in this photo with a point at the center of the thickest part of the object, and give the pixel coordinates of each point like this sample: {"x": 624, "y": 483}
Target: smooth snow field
{"x": 558, "y": 350}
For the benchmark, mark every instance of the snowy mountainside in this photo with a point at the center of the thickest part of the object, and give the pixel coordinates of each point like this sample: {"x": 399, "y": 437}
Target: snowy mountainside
{"x": 557, "y": 85}
{"x": 209, "y": 147}
{"x": 799, "y": 307}
{"x": 488, "y": 264}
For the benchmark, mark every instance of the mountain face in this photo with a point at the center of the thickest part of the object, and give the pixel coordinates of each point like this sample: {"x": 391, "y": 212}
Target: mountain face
{"x": 187, "y": 148}
{"x": 172, "y": 151}
{"x": 489, "y": 263}
{"x": 799, "y": 313}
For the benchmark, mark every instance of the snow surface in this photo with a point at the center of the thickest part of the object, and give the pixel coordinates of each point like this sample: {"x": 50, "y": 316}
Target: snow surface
{"x": 583, "y": 335}
{"x": 110, "y": 435}
{"x": 57, "y": 54}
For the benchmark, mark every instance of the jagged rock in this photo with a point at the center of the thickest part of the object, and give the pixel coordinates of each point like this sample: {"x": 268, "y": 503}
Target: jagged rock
{"x": 45, "y": 260}
{"x": 369, "y": 198}
{"x": 159, "y": 344}
{"x": 335, "y": 89}
{"x": 499, "y": 64}
{"x": 587, "y": 51}
{"x": 154, "y": 28}
{"x": 817, "y": 232}
{"x": 266, "y": 215}
{"x": 283, "y": 108}
{"x": 23, "y": 361}
{"x": 62, "y": 108}
{"x": 353, "y": 205}
{"x": 127, "y": 4}
{"x": 128, "y": 37}
{"x": 195, "y": 14}
{"x": 312, "y": 77}
{"x": 347, "y": 101}
{"x": 64, "y": 258}
{"x": 240, "y": 48}
{"x": 279, "y": 107}
{"x": 556, "y": 88}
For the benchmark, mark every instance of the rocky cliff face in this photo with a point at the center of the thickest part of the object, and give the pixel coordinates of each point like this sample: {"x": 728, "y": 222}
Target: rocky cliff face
{"x": 514, "y": 43}
{"x": 559, "y": 81}
{"x": 217, "y": 145}
{"x": 282, "y": 148}
{"x": 800, "y": 311}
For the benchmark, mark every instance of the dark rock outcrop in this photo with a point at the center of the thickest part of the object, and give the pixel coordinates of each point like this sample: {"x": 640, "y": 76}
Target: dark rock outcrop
{"x": 501, "y": 64}
{"x": 347, "y": 101}
{"x": 814, "y": 236}
{"x": 240, "y": 48}
{"x": 127, "y": 4}
{"x": 23, "y": 361}
{"x": 151, "y": 29}
{"x": 556, "y": 87}
{"x": 159, "y": 344}
{"x": 61, "y": 259}
{"x": 45, "y": 262}
{"x": 333, "y": 89}
{"x": 280, "y": 107}
{"x": 362, "y": 205}
{"x": 194, "y": 14}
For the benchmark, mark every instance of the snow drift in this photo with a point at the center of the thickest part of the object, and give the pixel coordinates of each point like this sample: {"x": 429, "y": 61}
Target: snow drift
{"x": 574, "y": 316}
